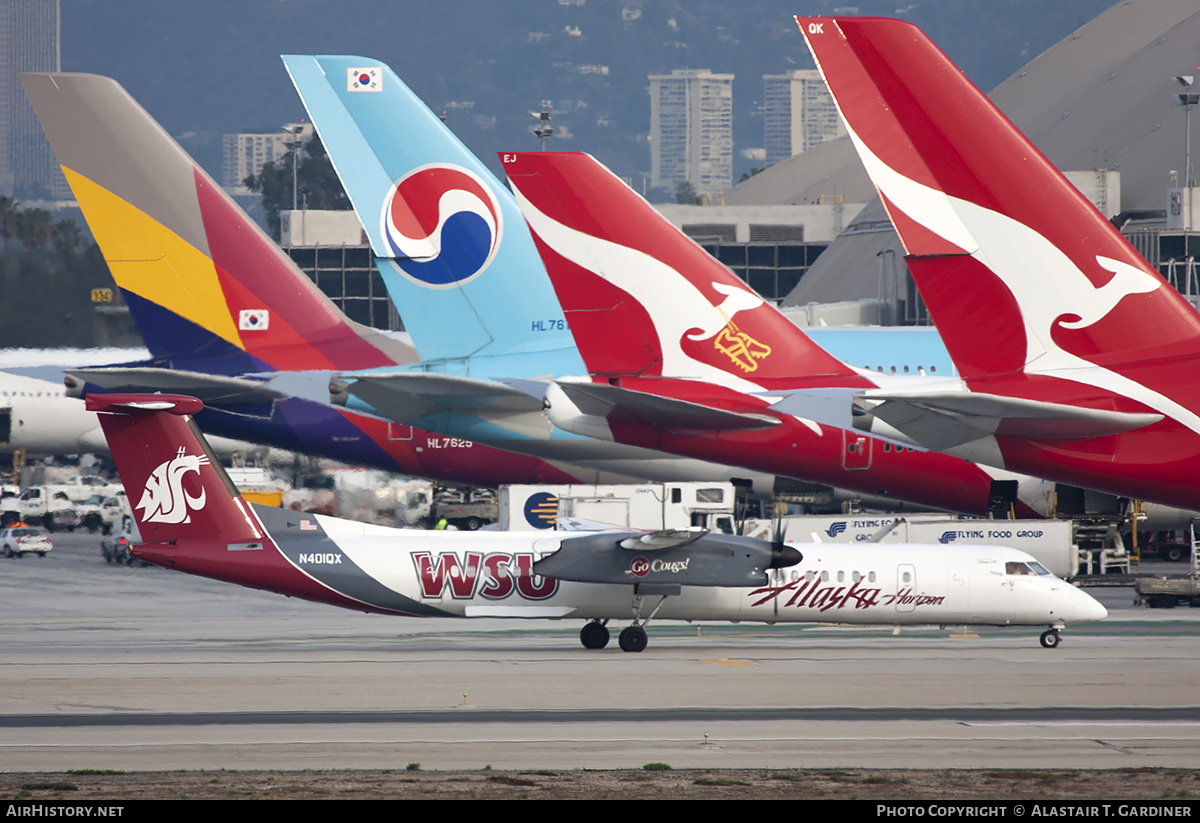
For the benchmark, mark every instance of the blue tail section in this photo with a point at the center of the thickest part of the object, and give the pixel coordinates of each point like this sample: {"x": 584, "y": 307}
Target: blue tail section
{"x": 455, "y": 253}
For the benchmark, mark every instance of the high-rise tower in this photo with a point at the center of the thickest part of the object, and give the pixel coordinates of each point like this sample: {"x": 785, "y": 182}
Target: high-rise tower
{"x": 29, "y": 41}
{"x": 798, "y": 114}
{"x": 691, "y": 130}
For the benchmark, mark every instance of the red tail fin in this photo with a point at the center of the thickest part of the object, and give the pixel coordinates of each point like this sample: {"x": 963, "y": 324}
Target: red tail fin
{"x": 678, "y": 312}
{"x": 1019, "y": 270}
{"x": 176, "y": 487}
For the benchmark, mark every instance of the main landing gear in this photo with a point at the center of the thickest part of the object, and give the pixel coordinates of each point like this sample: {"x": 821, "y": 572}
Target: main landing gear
{"x": 1050, "y": 639}
{"x": 594, "y": 634}
{"x": 633, "y": 639}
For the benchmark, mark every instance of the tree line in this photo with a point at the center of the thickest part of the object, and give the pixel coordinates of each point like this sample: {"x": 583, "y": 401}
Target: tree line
{"x": 48, "y": 270}
{"x": 317, "y": 184}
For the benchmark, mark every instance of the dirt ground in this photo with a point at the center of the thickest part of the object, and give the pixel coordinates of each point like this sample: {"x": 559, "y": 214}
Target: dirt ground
{"x": 660, "y": 783}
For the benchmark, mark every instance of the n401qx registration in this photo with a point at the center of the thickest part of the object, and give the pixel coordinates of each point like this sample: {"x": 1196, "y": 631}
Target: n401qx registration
{"x": 192, "y": 519}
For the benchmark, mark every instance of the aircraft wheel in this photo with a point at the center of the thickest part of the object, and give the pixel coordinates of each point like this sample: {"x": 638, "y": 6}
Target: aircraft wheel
{"x": 1173, "y": 553}
{"x": 1050, "y": 639}
{"x": 594, "y": 635}
{"x": 633, "y": 639}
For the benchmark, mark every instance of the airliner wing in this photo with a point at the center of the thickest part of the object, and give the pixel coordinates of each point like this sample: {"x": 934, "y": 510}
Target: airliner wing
{"x": 942, "y": 420}
{"x": 614, "y": 402}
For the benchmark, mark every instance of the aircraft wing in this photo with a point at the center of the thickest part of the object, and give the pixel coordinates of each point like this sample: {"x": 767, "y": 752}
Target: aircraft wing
{"x": 614, "y": 402}
{"x": 214, "y": 390}
{"x": 942, "y": 420}
{"x": 406, "y": 397}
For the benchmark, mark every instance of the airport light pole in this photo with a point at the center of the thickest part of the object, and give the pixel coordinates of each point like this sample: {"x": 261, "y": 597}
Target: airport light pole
{"x": 295, "y": 131}
{"x": 543, "y": 130}
{"x": 1187, "y": 99}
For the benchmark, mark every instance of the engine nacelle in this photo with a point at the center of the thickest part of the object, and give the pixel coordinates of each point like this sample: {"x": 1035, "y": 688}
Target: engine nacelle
{"x": 709, "y": 560}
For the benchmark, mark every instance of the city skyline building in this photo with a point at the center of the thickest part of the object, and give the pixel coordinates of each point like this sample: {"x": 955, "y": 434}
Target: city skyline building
{"x": 691, "y": 130}
{"x": 798, "y": 114}
{"x": 29, "y": 42}
{"x": 244, "y": 154}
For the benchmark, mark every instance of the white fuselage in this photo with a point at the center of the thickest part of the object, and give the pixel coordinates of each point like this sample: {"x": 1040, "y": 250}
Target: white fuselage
{"x": 490, "y": 575}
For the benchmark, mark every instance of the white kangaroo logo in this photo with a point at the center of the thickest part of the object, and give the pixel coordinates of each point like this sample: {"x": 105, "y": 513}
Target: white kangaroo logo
{"x": 1103, "y": 300}
{"x": 1046, "y": 283}
{"x": 736, "y": 300}
{"x": 164, "y": 500}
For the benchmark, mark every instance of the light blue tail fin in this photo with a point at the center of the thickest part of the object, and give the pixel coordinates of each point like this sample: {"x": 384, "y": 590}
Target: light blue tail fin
{"x": 455, "y": 253}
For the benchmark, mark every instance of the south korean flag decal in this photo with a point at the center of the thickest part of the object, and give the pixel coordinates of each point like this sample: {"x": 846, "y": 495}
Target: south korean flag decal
{"x": 369, "y": 79}
{"x": 254, "y": 319}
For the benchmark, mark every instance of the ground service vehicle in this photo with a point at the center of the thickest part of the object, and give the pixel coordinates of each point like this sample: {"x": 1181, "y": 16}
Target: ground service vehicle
{"x": 465, "y": 509}
{"x": 1168, "y": 592}
{"x": 19, "y": 541}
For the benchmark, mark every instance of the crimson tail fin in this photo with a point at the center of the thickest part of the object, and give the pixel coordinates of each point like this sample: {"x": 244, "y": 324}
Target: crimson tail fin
{"x": 176, "y": 487}
{"x": 1019, "y": 270}
{"x": 641, "y": 296}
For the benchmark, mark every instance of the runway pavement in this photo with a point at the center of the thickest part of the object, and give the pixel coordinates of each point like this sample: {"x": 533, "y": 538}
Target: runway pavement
{"x": 145, "y": 669}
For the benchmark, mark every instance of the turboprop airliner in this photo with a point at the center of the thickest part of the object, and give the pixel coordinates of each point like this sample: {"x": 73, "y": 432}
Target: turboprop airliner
{"x": 1075, "y": 357}
{"x": 192, "y": 519}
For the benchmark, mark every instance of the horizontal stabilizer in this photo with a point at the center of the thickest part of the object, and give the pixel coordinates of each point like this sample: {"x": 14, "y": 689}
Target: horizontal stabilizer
{"x": 214, "y": 390}
{"x": 614, "y": 402}
{"x": 124, "y": 403}
{"x": 942, "y": 420}
{"x": 408, "y": 397}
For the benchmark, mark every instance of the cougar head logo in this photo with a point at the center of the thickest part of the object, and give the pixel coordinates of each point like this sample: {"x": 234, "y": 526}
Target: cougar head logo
{"x": 164, "y": 500}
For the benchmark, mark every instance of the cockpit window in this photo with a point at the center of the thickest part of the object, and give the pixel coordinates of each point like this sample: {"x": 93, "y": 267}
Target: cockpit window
{"x": 1031, "y": 568}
